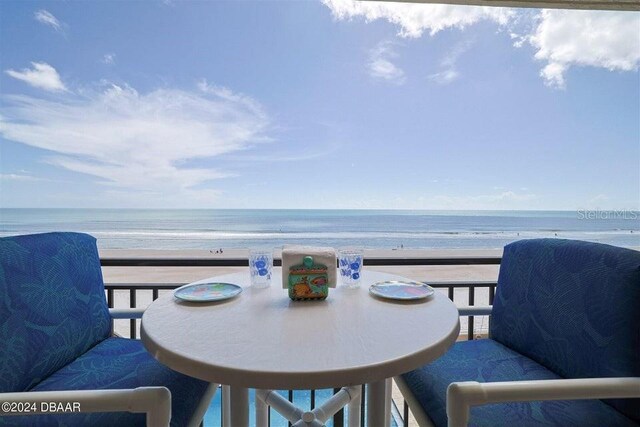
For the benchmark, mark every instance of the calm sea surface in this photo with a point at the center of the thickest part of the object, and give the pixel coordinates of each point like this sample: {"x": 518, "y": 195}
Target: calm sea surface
{"x": 212, "y": 229}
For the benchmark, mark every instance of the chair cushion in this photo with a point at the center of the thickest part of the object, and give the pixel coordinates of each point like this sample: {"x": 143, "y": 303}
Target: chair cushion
{"x": 489, "y": 361}
{"x": 52, "y": 305}
{"x": 572, "y": 306}
{"x": 117, "y": 363}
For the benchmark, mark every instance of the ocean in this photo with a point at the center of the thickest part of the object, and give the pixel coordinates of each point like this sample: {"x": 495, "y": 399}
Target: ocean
{"x": 379, "y": 229}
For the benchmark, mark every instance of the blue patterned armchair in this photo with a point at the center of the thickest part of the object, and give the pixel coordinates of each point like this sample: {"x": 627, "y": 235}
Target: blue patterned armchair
{"x": 59, "y": 363}
{"x": 564, "y": 332}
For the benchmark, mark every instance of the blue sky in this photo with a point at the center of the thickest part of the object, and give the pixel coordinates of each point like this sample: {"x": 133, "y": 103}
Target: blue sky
{"x": 334, "y": 104}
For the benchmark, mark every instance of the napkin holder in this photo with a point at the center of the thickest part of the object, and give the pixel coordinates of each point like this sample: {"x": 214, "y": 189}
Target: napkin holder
{"x": 308, "y": 272}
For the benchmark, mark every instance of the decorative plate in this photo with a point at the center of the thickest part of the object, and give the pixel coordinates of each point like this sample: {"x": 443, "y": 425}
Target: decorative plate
{"x": 201, "y": 292}
{"x": 398, "y": 290}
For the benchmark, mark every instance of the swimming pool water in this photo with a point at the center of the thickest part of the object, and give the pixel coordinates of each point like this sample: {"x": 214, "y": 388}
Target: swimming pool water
{"x": 301, "y": 398}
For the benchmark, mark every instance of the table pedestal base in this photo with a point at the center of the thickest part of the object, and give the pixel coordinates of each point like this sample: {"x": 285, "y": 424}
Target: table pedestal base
{"x": 347, "y": 396}
{"x": 350, "y": 397}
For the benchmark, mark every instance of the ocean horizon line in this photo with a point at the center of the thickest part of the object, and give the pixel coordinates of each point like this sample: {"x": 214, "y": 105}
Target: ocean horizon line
{"x": 328, "y": 209}
{"x": 237, "y": 228}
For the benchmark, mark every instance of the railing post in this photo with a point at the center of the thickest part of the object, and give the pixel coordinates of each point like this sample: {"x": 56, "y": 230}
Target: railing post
{"x": 132, "y": 304}
{"x": 110, "y": 305}
{"x": 363, "y": 395}
{"x": 470, "y": 323}
{"x": 405, "y": 414}
{"x": 290, "y": 397}
{"x": 338, "y": 417}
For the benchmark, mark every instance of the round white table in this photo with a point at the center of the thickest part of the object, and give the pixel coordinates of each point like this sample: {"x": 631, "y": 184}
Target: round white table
{"x": 261, "y": 339}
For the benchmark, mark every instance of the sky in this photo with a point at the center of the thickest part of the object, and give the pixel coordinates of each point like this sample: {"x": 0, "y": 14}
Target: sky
{"x": 317, "y": 104}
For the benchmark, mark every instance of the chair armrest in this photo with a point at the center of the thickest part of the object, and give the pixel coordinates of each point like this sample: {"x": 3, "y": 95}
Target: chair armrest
{"x": 461, "y": 396}
{"x": 126, "y": 313}
{"x": 475, "y": 310}
{"x": 154, "y": 401}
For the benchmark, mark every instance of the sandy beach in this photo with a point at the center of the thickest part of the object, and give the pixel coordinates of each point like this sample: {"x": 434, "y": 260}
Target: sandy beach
{"x": 183, "y": 275}
{"x": 190, "y": 274}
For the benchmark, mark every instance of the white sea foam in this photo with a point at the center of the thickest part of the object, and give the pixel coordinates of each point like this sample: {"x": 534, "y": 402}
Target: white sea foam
{"x": 174, "y": 229}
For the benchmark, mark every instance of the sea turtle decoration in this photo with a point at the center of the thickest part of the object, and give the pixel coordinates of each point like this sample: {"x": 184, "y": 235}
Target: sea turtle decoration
{"x": 308, "y": 281}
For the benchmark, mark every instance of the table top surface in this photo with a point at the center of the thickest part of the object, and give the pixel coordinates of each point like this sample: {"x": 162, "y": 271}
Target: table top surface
{"x": 262, "y": 339}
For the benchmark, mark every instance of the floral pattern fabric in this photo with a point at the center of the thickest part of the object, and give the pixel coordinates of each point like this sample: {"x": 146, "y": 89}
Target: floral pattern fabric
{"x": 489, "y": 361}
{"x": 52, "y": 305}
{"x": 54, "y": 333}
{"x": 562, "y": 309}
{"x": 116, "y": 363}
{"x": 573, "y": 307}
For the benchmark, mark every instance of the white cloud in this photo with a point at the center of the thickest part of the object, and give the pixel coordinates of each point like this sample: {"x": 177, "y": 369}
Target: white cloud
{"x": 42, "y": 76}
{"x": 108, "y": 58}
{"x": 519, "y": 40}
{"x": 17, "y": 177}
{"x": 233, "y": 97}
{"x": 415, "y": 19}
{"x": 562, "y": 38}
{"x": 448, "y": 65}
{"x": 152, "y": 146}
{"x": 381, "y": 66}
{"x": 601, "y": 39}
{"x": 45, "y": 17}
{"x": 444, "y": 77}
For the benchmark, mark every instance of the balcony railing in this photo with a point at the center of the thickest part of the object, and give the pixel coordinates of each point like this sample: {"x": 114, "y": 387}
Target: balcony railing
{"x": 472, "y": 287}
